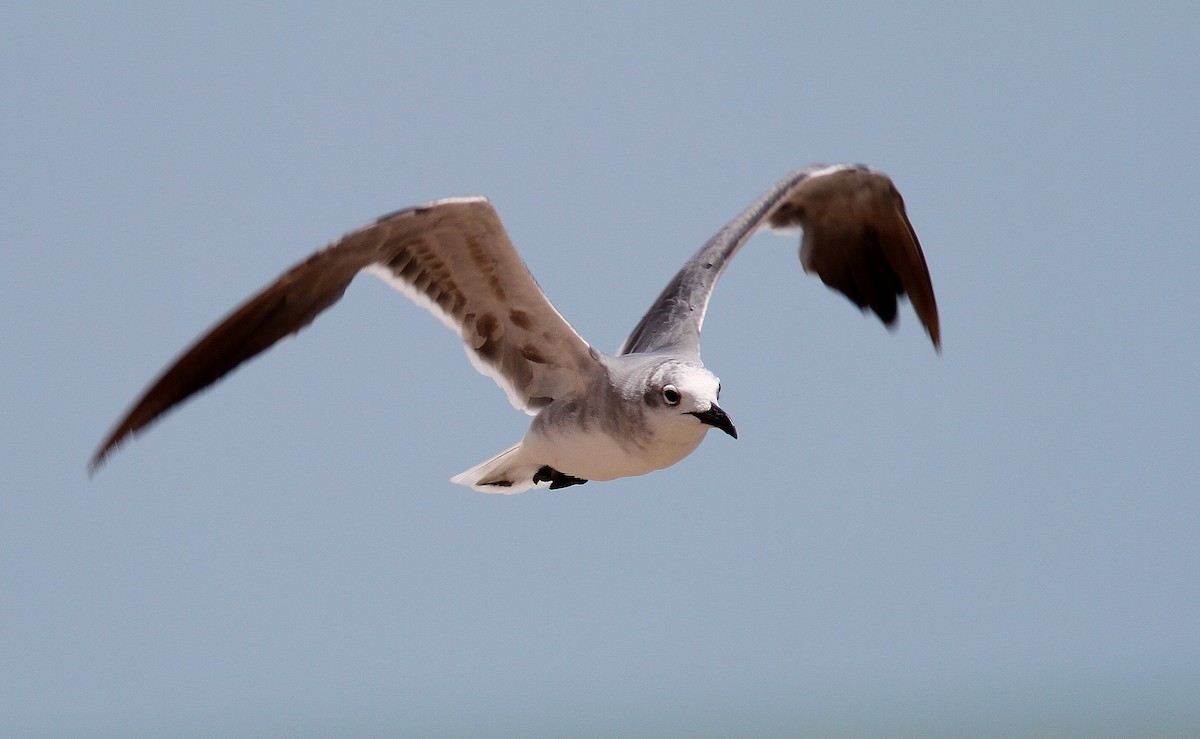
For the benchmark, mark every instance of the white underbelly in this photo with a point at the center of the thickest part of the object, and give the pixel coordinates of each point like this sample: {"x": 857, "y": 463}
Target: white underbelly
{"x": 594, "y": 455}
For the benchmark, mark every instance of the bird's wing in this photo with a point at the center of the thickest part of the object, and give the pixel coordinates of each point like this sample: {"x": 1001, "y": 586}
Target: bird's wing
{"x": 452, "y": 256}
{"x": 857, "y": 239}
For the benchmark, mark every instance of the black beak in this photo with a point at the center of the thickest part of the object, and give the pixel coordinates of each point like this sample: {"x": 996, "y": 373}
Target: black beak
{"x": 716, "y": 418}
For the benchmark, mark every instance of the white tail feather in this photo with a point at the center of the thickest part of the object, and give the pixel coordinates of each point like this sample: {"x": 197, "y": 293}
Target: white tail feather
{"x": 506, "y": 473}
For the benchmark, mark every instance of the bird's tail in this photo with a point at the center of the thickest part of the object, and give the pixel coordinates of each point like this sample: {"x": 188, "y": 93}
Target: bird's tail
{"x": 507, "y": 472}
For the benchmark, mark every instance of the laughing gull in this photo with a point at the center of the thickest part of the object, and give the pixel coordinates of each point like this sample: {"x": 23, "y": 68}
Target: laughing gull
{"x": 595, "y": 416}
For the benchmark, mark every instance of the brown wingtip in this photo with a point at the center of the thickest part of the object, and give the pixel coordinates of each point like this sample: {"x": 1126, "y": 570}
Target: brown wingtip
{"x": 858, "y": 241}
{"x": 115, "y": 438}
{"x": 96, "y": 462}
{"x": 926, "y": 310}
{"x": 925, "y": 306}
{"x": 173, "y": 387}
{"x": 129, "y": 424}
{"x": 279, "y": 310}
{"x": 903, "y": 251}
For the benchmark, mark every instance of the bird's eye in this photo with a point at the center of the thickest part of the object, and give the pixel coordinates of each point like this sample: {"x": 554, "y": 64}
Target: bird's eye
{"x": 671, "y": 395}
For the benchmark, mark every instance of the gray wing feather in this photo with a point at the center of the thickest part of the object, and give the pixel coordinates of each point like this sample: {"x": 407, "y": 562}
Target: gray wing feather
{"x": 452, "y": 256}
{"x": 857, "y": 239}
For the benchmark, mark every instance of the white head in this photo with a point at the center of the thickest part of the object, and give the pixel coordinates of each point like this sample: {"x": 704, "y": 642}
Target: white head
{"x": 678, "y": 392}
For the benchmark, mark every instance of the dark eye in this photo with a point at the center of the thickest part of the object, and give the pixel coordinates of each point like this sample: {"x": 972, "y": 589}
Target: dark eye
{"x": 671, "y": 395}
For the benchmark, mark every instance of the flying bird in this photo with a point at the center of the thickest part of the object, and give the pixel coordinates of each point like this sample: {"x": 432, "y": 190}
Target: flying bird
{"x": 596, "y": 416}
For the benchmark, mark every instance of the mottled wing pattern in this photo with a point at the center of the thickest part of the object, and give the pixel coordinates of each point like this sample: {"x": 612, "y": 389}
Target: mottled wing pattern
{"x": 465, "y": 270}
{"x": 451, "y": 256}
{"x": 857, "y": 239}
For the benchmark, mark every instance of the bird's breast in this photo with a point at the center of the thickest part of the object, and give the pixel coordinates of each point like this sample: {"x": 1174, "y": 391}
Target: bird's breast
{"x": 595, "y": 452}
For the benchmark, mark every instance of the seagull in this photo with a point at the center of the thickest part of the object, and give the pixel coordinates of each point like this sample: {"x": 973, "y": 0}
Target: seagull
{"x": 596, "y": 416}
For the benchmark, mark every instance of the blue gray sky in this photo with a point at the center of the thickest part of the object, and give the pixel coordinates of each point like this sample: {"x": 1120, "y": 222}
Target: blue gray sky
{"x": 1000, "y": 539}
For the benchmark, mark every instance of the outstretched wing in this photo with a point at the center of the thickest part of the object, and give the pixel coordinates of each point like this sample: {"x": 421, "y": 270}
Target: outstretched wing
{"x": 857, "y": 239}
{"x": 452, "y": 256}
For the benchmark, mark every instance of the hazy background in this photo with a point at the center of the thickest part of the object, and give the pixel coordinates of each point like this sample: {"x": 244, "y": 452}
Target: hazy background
{"x": 1002, "y": 540}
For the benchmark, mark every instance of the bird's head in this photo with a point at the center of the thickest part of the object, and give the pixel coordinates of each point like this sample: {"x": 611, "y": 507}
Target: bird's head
{"x": 686, "y": 391}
